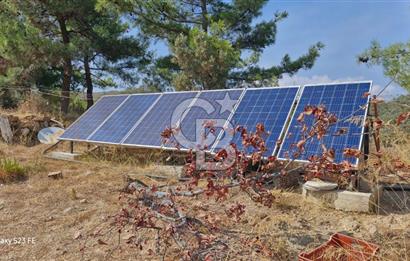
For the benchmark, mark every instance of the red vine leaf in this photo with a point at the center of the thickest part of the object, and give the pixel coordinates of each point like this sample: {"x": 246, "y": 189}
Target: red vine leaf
{"x": 402, "y": 118}
{"x": 348, "y": 152}
{"x": 366, "y": 94}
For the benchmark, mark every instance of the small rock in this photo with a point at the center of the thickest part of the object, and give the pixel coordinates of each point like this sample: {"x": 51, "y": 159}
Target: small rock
{"x": 77, "y": 235}
{"x": 372, "y": 229}
{"x": 65, "y": 211}
{"x": 50, "y": 218}
{"x": 83, "y": 201}
{"x": 25, "y": 131}
{"x": 301, "y": 240}
{"x": 88, "y": 173}
{"x": 350, "y": 224}
{"x": 55, "y": 175}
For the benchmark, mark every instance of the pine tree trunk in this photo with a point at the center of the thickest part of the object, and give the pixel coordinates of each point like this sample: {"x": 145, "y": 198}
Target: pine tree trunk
{"x": 67, "y": 69}
{"x": 204, "y": 11}
{"x": 88, "y": 82}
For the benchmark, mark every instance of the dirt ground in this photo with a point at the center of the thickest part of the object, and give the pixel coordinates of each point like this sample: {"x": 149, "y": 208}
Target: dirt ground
{"x": 55, "y": 217}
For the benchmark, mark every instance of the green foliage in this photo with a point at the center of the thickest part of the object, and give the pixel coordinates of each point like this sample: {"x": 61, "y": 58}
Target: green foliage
{"x": 38, "y": 39}
{"x": 395, "y": 60}
{"x": 205, "y": 59}
{"x": 77, "y": 104}
{"x": 177, "y": 21}
{"x": 9, "y": 98}
{"x": 11, "y": 170}
{"x": 391, "y": 109}
{"x": 24, "y": 53}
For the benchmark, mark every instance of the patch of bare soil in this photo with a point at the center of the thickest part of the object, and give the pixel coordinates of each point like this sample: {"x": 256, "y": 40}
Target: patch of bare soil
{"x": 57, "y": 216}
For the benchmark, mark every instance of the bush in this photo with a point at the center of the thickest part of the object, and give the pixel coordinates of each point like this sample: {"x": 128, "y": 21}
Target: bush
{"x": 11, "y": 170}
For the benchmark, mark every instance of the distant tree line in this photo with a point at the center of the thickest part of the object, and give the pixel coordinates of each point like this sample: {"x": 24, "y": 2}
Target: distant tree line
{"x": 72, "y": 45}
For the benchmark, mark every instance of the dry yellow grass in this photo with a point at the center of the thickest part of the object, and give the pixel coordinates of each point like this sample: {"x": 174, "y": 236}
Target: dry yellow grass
{"x": 61, "y": 223}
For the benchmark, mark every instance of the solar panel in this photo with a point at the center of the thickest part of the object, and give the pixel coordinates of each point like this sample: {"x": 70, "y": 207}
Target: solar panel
{"x": 210, "y": 106}
{"x": 92, "y": 118}
{"x": 346, "y": 102}
{"x": 269, "y": 106}
{"x": 124, "y": 118}
{"x": 148, "y": 131}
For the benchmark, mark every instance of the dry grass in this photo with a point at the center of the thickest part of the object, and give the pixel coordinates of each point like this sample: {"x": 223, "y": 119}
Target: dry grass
{"x": 34, "y": 104}
{"x": 396, "y": 145}
{"x": 61, "y": 214}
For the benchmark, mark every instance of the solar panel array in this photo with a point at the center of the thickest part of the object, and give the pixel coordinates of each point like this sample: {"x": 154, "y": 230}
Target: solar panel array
{"x": 123, "y": 120}
{"x": 138, "y": 119}
{"x": 93, "y": 118}
{"x": 212, "y": 107}
{"x": 271, "y": 107}
{"x": 147, "y": 133}
{"x": 347, "y": 102}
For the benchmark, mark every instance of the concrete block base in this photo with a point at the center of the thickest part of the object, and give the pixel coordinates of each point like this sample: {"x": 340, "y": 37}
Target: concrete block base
{"x": 63, "y": 155}
{"x": 343, "y": 200}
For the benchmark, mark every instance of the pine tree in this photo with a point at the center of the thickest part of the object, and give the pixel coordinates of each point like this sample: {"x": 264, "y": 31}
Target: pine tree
{"x": 178, "y": 22}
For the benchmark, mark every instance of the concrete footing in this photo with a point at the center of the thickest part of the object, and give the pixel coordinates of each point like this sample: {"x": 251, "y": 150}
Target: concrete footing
{"x": 344, "y": 200}
{"x": 63, "y": 155}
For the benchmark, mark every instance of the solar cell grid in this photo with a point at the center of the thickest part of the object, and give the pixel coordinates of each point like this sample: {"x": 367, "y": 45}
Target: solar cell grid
{"x": 148, "y": 131}
{"x": 135, "y": 120}
{"x": 215, "y": 106}
{"x": 269, "y": 106}
{"x": 121, "y": 122}
{"x": 93, "y": 118}
{"x": 343, "y": 100}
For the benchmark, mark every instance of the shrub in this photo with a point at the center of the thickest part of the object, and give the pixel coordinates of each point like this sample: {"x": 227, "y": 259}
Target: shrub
{"x": 11, "y": 170}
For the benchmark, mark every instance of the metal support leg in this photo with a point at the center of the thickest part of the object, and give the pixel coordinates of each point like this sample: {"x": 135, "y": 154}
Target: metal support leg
{"x": 366, "y": 142}
{"x": 71, "y": 147}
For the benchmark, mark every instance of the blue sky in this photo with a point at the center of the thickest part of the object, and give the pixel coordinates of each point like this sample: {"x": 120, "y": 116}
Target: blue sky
{"x": 346, "y": 27}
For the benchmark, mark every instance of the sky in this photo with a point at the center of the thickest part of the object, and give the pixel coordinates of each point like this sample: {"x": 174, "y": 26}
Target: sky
{"x": 346, "y": 27}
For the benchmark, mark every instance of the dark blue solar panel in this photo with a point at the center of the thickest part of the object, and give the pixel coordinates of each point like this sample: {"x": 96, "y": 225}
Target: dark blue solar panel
{"x": 123, "y": 119}
{"x": 343, "y": 100}
{"x": 148, "y": 131}
{"x": 92, "y": 119}
{"x": 211, "y": 106}
{"x": 269, "y": 106}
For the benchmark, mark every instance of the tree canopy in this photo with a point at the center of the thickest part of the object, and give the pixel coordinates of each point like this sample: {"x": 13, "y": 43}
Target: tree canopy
{"x": 83, "y": 44}
{"x": 395, "y": 60}
{"x": 70, "y": 39}
{"x": 183, "y": 23}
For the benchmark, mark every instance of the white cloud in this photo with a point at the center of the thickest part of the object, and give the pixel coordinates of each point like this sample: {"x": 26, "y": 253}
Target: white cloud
{"x": 389, "y": 93}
